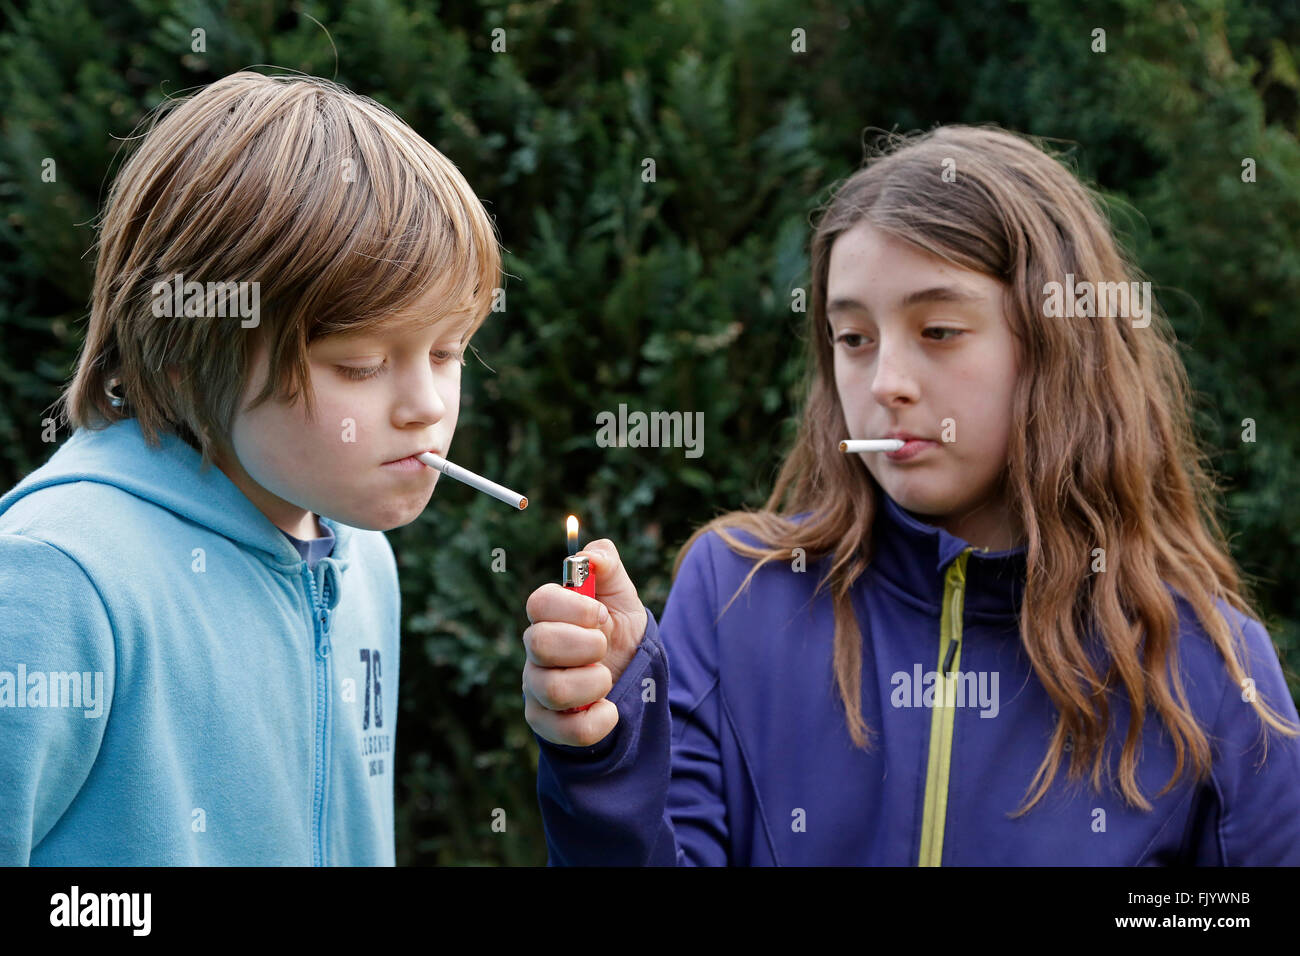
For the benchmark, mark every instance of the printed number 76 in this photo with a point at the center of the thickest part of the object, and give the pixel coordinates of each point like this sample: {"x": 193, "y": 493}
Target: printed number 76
{"x": 371, "y": 659}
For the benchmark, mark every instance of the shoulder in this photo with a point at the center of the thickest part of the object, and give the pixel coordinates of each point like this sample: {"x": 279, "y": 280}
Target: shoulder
{"x": 735, "y": 571}
{"x": 1206, "y": 675}
{"x": 76, "y": 509}
{"x": 47, "y": 596}
{"x": 716, "y": 543}
{"x": 101, "y": 528}
{"x": 1255, "y": 767}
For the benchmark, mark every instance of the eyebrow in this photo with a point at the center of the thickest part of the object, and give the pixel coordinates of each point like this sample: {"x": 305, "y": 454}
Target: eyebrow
{"x": 938, "y": 293}
{"x": 391, "y": 330}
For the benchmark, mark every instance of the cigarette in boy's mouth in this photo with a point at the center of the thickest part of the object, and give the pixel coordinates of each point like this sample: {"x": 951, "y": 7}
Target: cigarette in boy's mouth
{"x": 871, "y": 444}
{"x": 477, "y": 482}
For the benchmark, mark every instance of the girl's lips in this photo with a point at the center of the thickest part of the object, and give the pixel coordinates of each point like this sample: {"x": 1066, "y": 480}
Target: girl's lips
{"x": 914, "y": 447}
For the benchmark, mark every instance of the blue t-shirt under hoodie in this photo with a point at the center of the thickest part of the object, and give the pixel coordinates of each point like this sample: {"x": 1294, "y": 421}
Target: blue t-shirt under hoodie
{"x": 179, "y": 684}
{"x": 731, "y": 745}
{"x": 313, "y": 549}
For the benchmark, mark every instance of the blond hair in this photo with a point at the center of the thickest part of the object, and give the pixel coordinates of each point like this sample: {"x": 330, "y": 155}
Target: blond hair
{"x": 340, "y": 212}
{"x": 1106, "y": 454}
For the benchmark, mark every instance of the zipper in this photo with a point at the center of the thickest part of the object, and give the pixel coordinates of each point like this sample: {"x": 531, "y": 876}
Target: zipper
{"x": 943, "y": 714}
{"x": 320, "y": 615}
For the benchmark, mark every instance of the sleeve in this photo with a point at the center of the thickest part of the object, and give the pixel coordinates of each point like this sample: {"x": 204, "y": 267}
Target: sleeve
{"x": 57, "y": 666}
{"x": 1254, "y": 818}
{"x": 650, "y": 793}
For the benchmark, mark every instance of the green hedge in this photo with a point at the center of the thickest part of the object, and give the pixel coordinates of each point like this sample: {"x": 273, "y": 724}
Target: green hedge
{"x": 676, "y": 293}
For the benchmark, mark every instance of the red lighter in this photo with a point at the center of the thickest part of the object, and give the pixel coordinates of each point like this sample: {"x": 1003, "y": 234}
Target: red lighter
{"x": 578, "y": 576}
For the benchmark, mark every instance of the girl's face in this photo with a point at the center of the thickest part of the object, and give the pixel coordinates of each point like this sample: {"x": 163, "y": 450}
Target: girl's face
{"x": 923, "y": 346}
{"x": 293, "y": 469}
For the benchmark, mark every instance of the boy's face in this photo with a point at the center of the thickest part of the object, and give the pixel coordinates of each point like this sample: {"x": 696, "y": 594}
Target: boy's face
{"x": 293, "y": 469}
{"x": 896, "y": 371}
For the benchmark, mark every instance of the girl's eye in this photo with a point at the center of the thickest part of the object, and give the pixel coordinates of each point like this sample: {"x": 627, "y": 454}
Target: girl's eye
{"x": 852, "y": 340}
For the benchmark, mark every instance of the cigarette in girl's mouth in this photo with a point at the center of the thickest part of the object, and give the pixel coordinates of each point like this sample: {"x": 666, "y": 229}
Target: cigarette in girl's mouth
{"x": 474, "y": 481}
{"x": 871, "y": 444}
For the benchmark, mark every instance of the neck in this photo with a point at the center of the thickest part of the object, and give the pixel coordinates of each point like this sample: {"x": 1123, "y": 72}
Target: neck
{"x": 987, "y": 527}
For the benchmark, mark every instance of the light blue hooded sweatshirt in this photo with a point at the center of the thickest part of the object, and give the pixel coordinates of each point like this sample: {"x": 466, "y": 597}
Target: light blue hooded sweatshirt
{"x": 177, "y": 685}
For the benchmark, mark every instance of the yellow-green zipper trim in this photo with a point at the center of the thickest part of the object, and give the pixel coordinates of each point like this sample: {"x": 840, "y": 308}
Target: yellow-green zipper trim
{"x": 942, "y": 714}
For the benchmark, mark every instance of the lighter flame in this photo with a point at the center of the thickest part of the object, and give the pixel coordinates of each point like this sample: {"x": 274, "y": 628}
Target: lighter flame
{"x": 571, "y": 526}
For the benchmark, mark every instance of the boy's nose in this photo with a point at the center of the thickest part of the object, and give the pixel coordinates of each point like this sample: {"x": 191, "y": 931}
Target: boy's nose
{"x": 421, "y": 401}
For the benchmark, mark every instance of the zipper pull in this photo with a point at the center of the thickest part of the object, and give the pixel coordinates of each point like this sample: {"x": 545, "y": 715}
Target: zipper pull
{"x": 952, "y": 645}
{"x": 323, "y": 649}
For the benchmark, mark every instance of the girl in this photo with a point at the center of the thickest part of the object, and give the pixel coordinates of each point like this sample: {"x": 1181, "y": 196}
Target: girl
{"x": 892, "y": 660}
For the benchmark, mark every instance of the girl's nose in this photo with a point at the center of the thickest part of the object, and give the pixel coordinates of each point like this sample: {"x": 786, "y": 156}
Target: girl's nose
{"x": 894, "y": 378}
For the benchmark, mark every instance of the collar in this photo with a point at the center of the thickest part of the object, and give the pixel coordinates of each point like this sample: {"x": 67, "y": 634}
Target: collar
{"x": 171, "y": 477}
{"x": 914, "y": 557}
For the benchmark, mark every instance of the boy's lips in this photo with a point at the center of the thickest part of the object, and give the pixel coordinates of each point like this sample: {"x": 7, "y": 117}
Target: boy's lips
{"x": 418, "y": 451}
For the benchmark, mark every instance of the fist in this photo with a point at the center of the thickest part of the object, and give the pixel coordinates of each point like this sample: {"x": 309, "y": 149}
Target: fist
{"x": 577, "y": 648}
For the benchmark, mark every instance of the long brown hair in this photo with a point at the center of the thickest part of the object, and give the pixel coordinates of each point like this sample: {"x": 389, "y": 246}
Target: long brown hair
{"x": 1128, "y": 474}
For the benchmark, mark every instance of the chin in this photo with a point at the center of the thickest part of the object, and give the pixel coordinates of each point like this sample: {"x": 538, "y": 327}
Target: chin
{"x": 371, "y": 523}
{"x": 390, "y": 525}
{"x": 391, "y": 520}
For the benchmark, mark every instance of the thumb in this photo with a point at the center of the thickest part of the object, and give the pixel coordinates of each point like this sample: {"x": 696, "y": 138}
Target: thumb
{"x": 614, "y": 588}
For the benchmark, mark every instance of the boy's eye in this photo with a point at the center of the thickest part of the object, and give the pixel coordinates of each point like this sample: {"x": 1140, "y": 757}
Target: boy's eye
{"x": 850, "y": 339}
{"x": 440, "y": 356}
{"x": 446, "y": 355}
{"x": 357, "y": 374}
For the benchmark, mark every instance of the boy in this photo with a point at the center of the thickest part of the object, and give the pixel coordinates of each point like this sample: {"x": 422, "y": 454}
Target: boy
{"x": 199, "y": 665}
